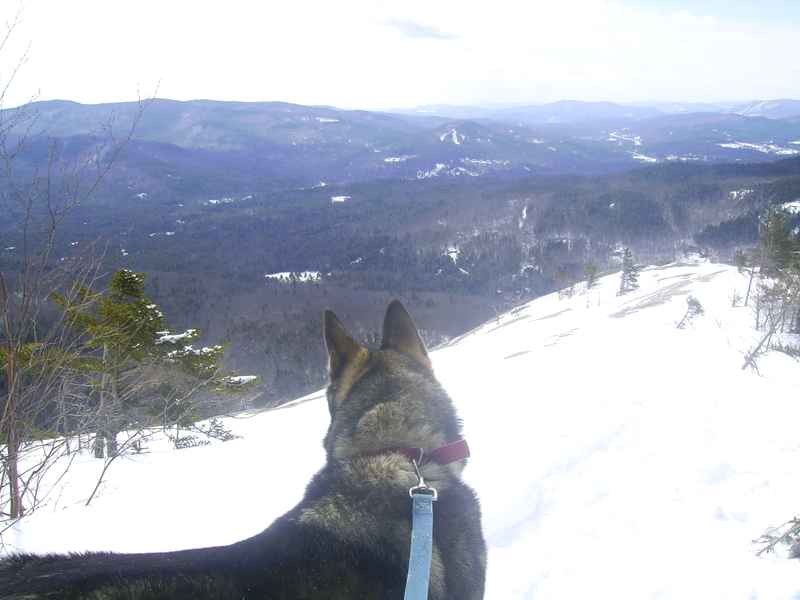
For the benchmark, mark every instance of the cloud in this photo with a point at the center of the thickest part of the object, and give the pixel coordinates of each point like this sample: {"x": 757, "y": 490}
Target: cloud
{"x": 419, "y": 31}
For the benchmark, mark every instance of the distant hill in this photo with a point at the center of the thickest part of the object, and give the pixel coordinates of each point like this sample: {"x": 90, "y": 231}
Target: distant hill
{"x": 459, "y": 217}
{"x": 239, "y": 148}
{"x": 566, "y": 111}
{"x": 578, "y": 112}
{"x": 773, "y": 109}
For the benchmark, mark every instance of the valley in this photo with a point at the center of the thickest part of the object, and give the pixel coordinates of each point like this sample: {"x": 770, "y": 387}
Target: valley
{"x": 461, "y": 218}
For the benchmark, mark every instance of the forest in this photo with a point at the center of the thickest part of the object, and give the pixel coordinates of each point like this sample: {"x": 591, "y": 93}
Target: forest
{"x": 209, "y": 216}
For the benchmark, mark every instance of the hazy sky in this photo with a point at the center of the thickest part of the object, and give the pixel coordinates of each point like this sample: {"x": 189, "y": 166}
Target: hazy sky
{"x": 403, "y": 53}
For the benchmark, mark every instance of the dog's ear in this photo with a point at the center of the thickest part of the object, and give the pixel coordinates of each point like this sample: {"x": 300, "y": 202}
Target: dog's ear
{"x": 342, "y": 348}
{"x": 400, "y": 333}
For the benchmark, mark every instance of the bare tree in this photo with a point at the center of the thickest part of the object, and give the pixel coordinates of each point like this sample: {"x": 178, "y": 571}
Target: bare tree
{"x": 41, "y": 183}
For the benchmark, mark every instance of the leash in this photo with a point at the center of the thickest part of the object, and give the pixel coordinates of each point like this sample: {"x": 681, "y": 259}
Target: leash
{"x": 423, "y": 497}
{"x": 419, "y": 562}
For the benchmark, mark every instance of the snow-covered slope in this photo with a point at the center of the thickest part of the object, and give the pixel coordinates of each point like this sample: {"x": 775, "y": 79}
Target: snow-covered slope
{"x": 614, "y": 454}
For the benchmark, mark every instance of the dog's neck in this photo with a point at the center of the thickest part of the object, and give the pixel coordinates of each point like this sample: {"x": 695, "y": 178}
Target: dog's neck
{"x": 444, "y": 455}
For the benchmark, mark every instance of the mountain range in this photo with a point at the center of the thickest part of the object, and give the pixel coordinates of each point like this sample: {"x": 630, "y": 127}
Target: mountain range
{"x": 277, "y": 145}
{"x": 572, "y": 111}
{"x": 460, "y": 217}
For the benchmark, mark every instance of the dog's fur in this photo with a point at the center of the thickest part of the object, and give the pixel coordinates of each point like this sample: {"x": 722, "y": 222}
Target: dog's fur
{"x": 349, "y": 537}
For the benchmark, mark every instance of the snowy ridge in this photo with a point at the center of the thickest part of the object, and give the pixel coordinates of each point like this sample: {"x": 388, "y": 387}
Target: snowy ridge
{"x": 612, "y": 452}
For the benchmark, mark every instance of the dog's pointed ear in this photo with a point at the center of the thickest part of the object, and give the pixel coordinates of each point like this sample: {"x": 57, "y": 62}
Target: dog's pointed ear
{"x": 342, "y": 348}
{"x": 400, "y": 333}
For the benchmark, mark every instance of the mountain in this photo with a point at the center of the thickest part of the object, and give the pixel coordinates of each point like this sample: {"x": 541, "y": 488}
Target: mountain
{"x": 460, "y": 217}
{"x": 611, "y": 451}
{"x": 773, "y": 109}
{"x": 570, "y": 111}
{"x": 565, "y": 111}
{"x": 217, "y": 125}
{"x": 688, "y": 107}
{"x": 275, "y": 145}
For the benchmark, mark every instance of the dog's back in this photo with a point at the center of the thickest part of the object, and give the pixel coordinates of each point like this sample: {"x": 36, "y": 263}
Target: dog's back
{"x": 350, "y": 535}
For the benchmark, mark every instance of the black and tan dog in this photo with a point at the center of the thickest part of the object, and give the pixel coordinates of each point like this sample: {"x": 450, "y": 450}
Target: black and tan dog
{"x": 349, "y": 537}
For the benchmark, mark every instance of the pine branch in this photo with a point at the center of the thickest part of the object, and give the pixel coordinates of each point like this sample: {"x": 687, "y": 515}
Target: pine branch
{"x": 789, "y": 537}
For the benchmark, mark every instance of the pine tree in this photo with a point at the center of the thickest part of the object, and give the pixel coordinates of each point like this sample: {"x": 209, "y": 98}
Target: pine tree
{"x": 629, "y": 279}
{"x": 693, "y": 309}
{"x": 590, "y": 273}
{"x": 777, "y": 296}
{"x": 566, "y": 281}
{"x": 779, "y": 251}
{"x": 144, "y": 374}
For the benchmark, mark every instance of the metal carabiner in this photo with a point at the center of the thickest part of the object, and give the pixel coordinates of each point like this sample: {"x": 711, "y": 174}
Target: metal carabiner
{"x": 421, "y": 487}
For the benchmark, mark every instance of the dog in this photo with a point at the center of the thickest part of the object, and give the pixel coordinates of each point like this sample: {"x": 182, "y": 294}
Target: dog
{"x": 391, "y": 426}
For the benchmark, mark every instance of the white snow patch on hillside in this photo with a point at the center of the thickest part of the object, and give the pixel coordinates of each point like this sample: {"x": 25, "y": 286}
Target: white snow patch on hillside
{"x": 615, "y": 136}
{"x": 302, "y": 276}
{"x": 613, "y": 454}
{"x": 484, "y": 161}
{"x": 792, "y": 208}
{"x": 441, "y": 169}
{"x": 454, "y": 136}
{"x": 765, "y": 148}
{"x": 642, "y": 157}
{"x": 739, "y": 194}
{"x": 435, "y": 172}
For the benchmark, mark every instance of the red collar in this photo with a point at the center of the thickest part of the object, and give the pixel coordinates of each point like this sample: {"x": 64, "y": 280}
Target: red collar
{"x": 444, "y": 455}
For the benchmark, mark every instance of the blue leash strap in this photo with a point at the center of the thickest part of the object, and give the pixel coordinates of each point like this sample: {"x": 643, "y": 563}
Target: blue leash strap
{"x": 419, "y": 561}
{"x": 419, "y": 564}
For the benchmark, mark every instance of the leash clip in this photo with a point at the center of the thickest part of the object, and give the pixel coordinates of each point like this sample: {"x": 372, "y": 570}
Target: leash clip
{"x": 421, "y": 487}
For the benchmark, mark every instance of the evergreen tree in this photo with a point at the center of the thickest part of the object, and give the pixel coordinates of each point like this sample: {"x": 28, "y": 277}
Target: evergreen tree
{"x": 590, "y": 273}
{"x": 693, "y": 309}
{"x": 779, "y": 249}
{"x": 629, "y": 279}
{"x": 777, "y": 296}
{"x": 144, "y": 374}
{"x": 566, "y": 280}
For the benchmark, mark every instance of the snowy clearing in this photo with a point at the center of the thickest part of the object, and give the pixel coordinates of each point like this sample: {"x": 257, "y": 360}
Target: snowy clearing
{"x": 613, "y": 453}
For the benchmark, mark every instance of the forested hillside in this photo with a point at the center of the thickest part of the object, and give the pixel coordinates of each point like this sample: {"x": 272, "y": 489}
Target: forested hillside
{"x": 216, "y": 200}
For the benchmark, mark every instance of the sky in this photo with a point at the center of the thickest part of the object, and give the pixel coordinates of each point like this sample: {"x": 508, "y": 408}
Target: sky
{"x": 381, "y": 54}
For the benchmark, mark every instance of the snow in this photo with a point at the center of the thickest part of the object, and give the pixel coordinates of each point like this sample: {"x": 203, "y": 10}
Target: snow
{"x": 613, "y": 453}
{"x": 642, "y": 157}
{"x": 442, "y": 169}
{"x": 241, "y": 379}
{"x": 791, "y": 207}
{"x": 165, "y": 337}
{"x": 453, "y": 135}
{"x": 739, "y": 194}
{"x": 484, "y": 161}
{"x": 765, "y": 148}
{"x": 615, "y": 136}
{"x": 439, "y": 168}
{"x": 302, "y": 276}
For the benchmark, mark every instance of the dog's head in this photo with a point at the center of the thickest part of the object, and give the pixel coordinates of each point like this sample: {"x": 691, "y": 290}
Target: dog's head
{"x": 385, "y": 397}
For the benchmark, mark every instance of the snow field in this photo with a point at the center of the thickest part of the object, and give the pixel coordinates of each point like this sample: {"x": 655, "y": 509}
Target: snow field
{"x": 614, "y": 454}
